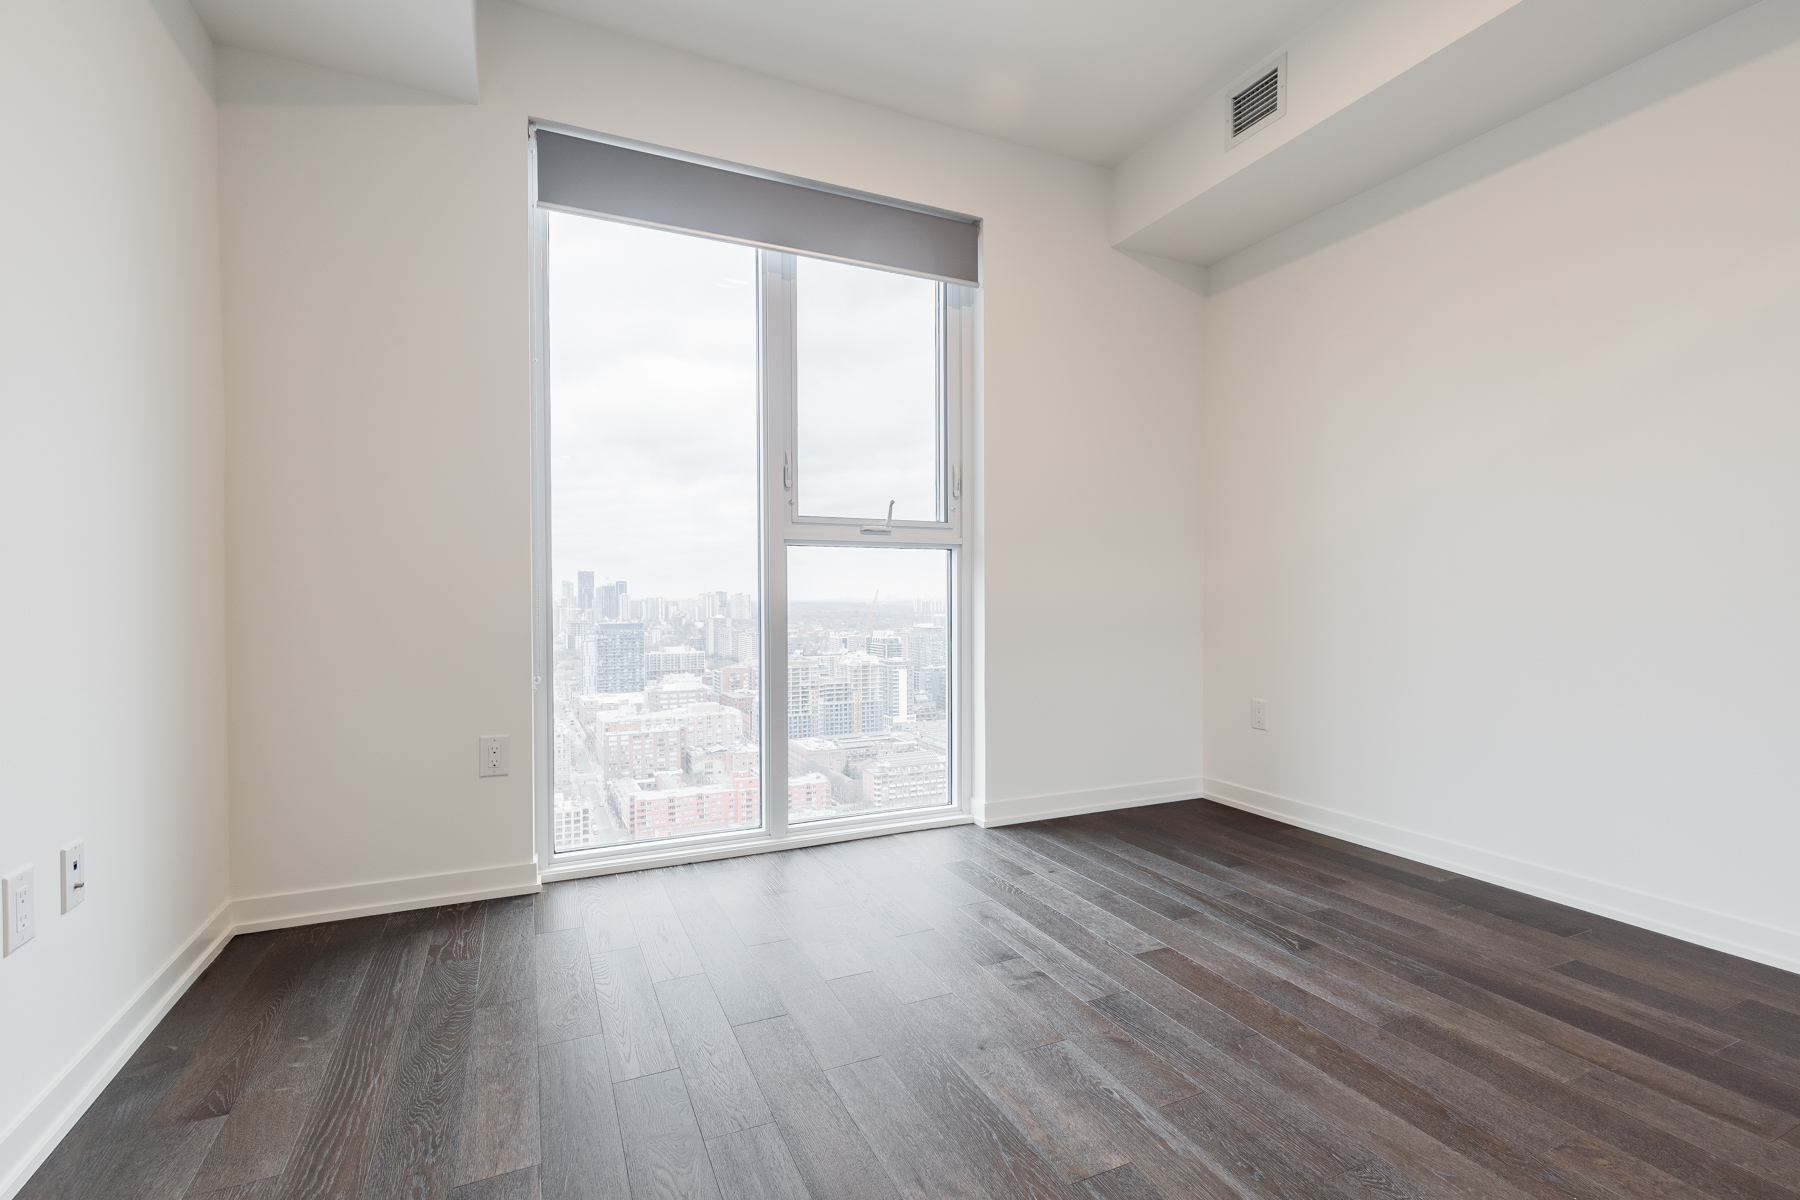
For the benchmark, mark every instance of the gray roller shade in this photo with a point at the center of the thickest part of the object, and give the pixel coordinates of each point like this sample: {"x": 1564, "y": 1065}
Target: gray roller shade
{"x": 616, "y": 181}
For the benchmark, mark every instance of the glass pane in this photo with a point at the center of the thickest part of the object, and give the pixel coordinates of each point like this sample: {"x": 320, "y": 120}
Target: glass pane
{"x": 868, "y": 393}
{"x": 868, "y": 680}
{"x": 653, "y": 444}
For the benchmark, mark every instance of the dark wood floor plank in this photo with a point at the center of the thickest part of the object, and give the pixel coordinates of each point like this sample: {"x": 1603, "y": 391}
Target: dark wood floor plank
{"x": 828, "y": 1149}
{"x": 583, "y": 1154}
{"x": 1637, "y": 989}
{"x": 517, "y": 1185}
{"x": 256, "y": 1189}
{"x": 665, "y": 1156}
{"x": 1159, "y": 1151}
{"x": 913, "y": 1044}
{"x": 667, "y": 952}
{"x": 833, "y": 1037}
{"x": 1515, "y": 1117}
{"x": 1062, "y": 1130}
{"x": 1729, "y": 972}
{"x": 1045, "y": 953}
{"x": 723, "y": 1092}
{"x": 1121, "y": 1183}
{"x": 743, "y": 992}
{"x": 558, "y": 907}
{"x": 754, "y": 1164}
{"x": 1767, "y": 1102}
{"x": 265, "y": 1121}
{"x": 218, "y": 1074}
{"x": 1415, "y": 1105}
{"x": 499, "y": 1128}
{"x": 1773, "y": 1028}
{"x": 334, "y": 1145}
{"x": 99, "y": 1137}
{"x": 606, "y": 913}
{"x": 850, "y": 863}
{"x": 1245, "y": 1154}
{"x": 566, "y": 1005}
{"x": 161, "y": 1161}
{"x": 416, "y": 1145}
{"x": 508, "y": 952}
{"x": 912, "y": 1146}
{"x": 169, "y": 1049}
{"x": 637, "y": 1041}
{"x": 746, "y": 906}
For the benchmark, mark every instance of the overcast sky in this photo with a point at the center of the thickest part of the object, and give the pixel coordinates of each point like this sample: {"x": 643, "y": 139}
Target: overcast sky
{"x": 653, "y": 414}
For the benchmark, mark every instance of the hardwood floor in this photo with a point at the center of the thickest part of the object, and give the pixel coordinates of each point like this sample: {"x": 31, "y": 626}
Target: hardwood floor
{"x": 1178, "y": 1001}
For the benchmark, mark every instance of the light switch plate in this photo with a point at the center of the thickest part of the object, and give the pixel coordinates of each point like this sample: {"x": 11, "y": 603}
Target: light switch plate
{"x": 18, "y": 909}
{"x": 74, "y": 875}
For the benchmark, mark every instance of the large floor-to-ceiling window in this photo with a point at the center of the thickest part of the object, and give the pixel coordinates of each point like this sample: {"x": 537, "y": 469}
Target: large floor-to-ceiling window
{"x": 750, "y": 556}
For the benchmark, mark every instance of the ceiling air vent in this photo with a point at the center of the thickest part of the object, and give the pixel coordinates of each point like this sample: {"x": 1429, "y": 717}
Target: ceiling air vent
{"x": 1258, "y": 101}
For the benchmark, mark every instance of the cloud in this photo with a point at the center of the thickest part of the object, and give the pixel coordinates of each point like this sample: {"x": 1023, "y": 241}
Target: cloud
{"x": 653, "y": 422}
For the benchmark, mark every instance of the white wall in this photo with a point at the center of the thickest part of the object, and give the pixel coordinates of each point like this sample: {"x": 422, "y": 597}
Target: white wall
{"x": 376, "y": 285}
{"x": 112, "y": 609}
{"x": 1502, "y": 506}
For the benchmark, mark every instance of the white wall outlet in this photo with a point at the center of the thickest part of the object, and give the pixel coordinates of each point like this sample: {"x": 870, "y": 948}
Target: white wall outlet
{"x": 493, "y": 755}
{"x": 18, "y": 908}
{"x": 1259, "y": 714}
{"x": 74, "y": 875}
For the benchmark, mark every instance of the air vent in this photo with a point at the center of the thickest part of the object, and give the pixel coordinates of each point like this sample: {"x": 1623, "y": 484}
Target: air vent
{"x": 1256, "y": 102}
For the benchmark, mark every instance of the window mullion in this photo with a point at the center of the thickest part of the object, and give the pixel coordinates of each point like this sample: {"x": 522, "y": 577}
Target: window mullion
{"x": 778, "y": 351}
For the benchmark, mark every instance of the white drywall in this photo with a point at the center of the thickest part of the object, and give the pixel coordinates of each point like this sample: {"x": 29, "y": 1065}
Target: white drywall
{"x": 376, "y": 281}
{"x": 112, "y": 611}
{"x": 1502, "y": 510}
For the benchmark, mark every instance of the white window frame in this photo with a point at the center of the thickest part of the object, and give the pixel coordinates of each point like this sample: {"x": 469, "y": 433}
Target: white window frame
{"x": 780, "y": 527}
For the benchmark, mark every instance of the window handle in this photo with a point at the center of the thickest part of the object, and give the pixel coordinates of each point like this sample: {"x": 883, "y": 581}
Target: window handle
{"x": 787, "y": 476}
{"x": 888, "y": 528}
{"x": 955, "y": 484}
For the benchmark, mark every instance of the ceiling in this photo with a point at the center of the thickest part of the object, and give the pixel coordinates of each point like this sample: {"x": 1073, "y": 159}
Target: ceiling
{"x": 1089, "y": 80}
{"x": 425, "y": 44}
{"x": 1082, "y": 78}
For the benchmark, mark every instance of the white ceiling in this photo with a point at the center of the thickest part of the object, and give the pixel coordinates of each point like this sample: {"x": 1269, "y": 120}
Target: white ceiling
{"x": 1092, "y": 79}
{"x": 425, "y": 44}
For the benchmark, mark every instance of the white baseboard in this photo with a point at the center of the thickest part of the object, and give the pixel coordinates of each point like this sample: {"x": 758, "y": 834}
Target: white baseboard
{"x": 25, "y": 1146}
{"x": 990, "y": 813}
{"x": 256, "y": 913}
{"x": 1745, "y": 938}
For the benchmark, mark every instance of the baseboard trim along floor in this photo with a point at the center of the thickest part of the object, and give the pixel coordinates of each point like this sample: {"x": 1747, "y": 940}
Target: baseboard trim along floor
{"x": 1759, "y": 942}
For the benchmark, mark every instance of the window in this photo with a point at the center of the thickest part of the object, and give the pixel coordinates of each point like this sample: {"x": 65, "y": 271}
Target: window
{"x": 750, "y": 519}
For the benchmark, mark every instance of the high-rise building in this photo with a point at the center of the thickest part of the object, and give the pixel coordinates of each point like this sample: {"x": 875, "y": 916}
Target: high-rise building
{"x": 885, "y": 643}
{"x": 676, "y": 691}
{"x": 584, "y": 592}
{"x": 905, "y": 780}
{"x": 667, "y": 659}
{"x": 740, "y": 606}
{"x": 568, "y": 592}
{"x": 612, "y": 657}
{"x": 927, "y": 646}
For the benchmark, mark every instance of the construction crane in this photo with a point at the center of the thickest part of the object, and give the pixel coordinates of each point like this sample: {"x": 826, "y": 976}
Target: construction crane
{"x": 869, "y": 626}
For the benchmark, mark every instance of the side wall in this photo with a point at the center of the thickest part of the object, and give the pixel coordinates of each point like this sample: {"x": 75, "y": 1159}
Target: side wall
{"x": 112, "y": 614}
{"x": 1502, "y": 511}
{"x": 376, "y": 263}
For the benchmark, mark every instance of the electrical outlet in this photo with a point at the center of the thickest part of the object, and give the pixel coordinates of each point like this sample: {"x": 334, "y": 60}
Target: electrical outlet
{"x": 1259, "y": 714}
{"x": 18, "y": 907}
{"x": 74, "y": 875}
{"x": 493, "y": 755}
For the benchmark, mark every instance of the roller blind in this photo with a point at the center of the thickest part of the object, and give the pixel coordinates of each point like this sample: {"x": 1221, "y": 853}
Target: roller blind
{"x": 606, "y": 180}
